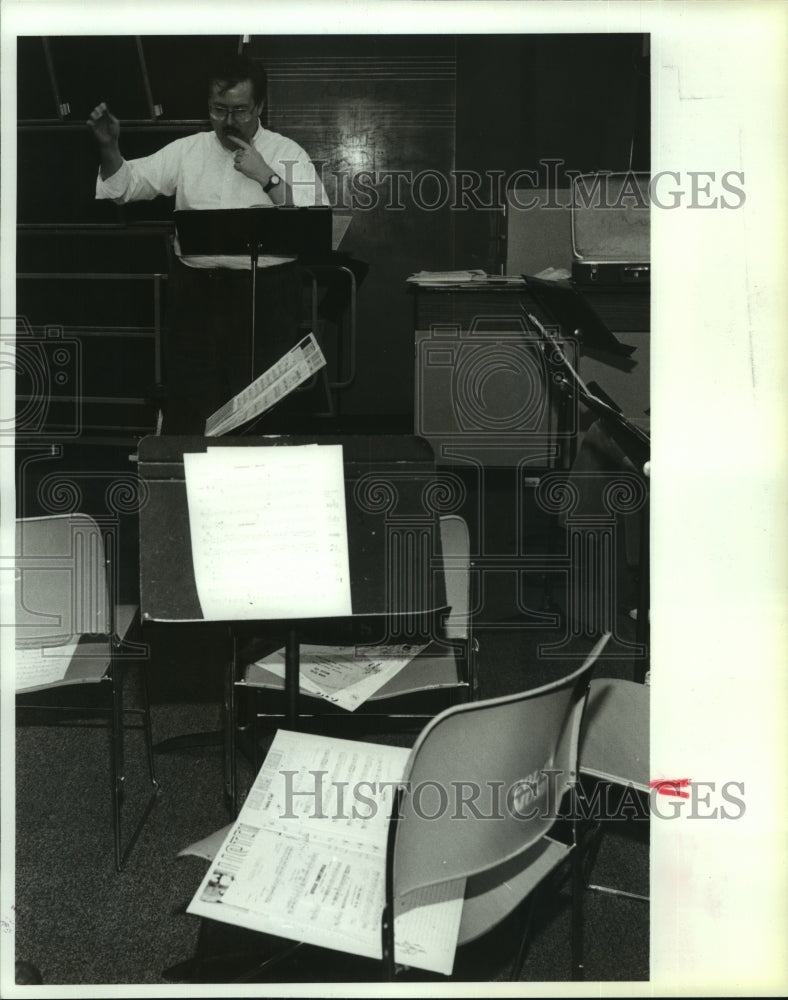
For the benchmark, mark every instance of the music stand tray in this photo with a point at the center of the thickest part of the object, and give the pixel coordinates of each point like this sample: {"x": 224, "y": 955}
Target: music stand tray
{"x": 280, "y": 231}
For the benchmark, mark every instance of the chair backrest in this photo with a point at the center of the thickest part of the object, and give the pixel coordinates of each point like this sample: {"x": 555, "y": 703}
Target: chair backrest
{"x": 614, "y": 740}
{"x": 456, "y": 548}
{"x": 61, "y": 580}
{"x": 485, "y": 781}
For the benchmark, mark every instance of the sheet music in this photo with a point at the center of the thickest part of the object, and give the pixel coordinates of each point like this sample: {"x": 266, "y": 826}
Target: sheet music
{"x": 298, "y": 864}
{"x": 38, "y": 666}
{"x": 208, "y": 847}
{"x": 445, "y": 277}
{"x": 278, "y": 381}
{"x": 344, "y": 675}
{"x": 437, "y": 279}
{"x": 269, "y": 532}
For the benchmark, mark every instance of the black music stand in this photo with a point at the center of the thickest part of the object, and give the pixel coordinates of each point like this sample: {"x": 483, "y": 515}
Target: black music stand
{"x": 285, "y": 231}
{"x": 386, "y": 478}
{"x": 573, "y": 386}
{"x": 576, "y": 317}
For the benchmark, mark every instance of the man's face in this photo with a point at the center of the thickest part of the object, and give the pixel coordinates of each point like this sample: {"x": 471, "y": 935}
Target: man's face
{"x": 243, "y": 122}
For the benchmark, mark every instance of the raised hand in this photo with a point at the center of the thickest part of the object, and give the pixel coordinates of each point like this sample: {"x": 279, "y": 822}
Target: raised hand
{"x": 106, "y": 128}
{"x": 104, "y": 125}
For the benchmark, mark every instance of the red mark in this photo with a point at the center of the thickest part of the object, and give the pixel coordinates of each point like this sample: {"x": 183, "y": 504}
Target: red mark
{"x": 671, "y": 786}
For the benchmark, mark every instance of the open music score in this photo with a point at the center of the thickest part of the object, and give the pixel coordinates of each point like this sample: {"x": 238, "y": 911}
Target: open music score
{"x": 290, "y": 371}
{"x": 307, "y": 861}
{"x": 269, "y": 532}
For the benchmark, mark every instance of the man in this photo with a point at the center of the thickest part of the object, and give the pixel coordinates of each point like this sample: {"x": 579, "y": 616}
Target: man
{"x": 238, "y": 164}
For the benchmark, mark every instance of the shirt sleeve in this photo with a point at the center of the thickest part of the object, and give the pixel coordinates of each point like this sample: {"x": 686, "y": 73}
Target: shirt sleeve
{"x": 306, "y": 185}
{"x": 143, "y": 178}
{"x": 296, "y": 169}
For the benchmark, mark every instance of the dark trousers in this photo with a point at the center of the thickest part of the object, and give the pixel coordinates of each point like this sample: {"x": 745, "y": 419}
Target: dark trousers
{"x": 208, "y": 354}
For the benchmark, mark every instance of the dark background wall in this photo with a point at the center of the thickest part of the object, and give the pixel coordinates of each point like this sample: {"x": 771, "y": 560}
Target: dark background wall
{"x": 482, "y": 103}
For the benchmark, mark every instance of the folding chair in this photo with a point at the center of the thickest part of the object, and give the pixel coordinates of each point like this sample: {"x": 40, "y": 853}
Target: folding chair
{"x": 528, "y": 741}
{"x": 502, "y": 770}
{"x": 69, "y": 632}
{"x": 614, "y": 750}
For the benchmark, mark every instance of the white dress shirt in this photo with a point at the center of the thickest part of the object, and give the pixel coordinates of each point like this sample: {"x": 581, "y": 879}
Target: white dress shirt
{"x": 201, "y": 174}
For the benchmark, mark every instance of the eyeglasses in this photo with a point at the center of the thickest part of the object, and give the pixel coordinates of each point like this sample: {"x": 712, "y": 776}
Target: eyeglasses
{"x": 219, "y": 113}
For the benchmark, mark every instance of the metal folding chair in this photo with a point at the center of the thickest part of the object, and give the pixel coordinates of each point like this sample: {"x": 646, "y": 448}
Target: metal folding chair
{"x": 483, "y": 790}
{"x": 614, "y": 750}
{"x": 69, "y": 632}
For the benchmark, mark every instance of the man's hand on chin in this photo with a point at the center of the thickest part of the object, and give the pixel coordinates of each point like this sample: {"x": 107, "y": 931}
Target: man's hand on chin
{"x": 249, "y": 162}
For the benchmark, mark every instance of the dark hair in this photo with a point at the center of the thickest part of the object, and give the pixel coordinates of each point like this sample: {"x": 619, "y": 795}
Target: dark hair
{"x": 229, "y": 72}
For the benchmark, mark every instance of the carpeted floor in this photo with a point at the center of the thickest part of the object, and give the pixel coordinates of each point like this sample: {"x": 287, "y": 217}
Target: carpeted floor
{"x": 80, "y": 922}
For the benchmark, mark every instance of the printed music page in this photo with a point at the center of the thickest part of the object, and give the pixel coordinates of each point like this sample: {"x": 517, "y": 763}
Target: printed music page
{"x": 344, "y": 675}
{"x": 290, "y": 371}
{"x": 306, "y": 858}
{"x": 41, "y": 666}
{"x": 269, "y": 532}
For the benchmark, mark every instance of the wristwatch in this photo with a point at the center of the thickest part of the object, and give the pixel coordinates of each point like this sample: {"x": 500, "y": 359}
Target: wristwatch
{"x": 273, "y": 181}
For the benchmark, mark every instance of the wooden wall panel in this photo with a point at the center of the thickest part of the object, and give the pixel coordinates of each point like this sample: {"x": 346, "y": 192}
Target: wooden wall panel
{"x": 377, "y": 104}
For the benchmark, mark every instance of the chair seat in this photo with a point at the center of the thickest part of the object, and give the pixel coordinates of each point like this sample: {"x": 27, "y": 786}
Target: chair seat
{"x": 82, "y": 662}
{"x": 433, "y": 669}
{"x": 494, "y": 894}
{"x": 614, "y": 738}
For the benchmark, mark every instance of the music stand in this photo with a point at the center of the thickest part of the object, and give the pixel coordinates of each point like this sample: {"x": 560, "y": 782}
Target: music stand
{"x": 373, "y": 467}
{"x": 573, "y": 385}
{"x": 577, "y": 317}
{"x": 285, "y": 231}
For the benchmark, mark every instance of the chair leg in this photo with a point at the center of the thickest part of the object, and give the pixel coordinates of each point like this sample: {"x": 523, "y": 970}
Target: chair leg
{"x": 229, "y": 728}
{"x": 118, "y": 772}
{"x": 257, "y": 763}
{"x": 578, "y": 928}
{"x": 610, "y": 891}
{"x": 590, "y": 842}
{"x": 147, "y": 727}
{"x": 525, "y": 940}
{"x": 116, "y": 755}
